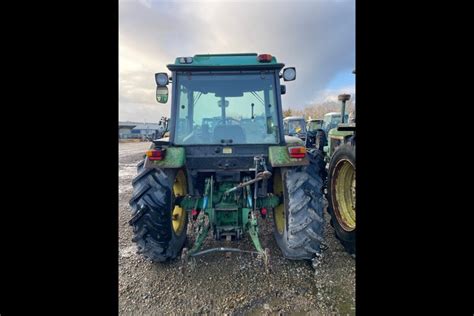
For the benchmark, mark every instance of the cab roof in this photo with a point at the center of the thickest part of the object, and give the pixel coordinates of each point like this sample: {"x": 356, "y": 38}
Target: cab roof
{"x": 225, "y": 61}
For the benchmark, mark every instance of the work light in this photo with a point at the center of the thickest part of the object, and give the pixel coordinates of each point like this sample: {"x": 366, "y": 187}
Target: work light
{"x": 185, "y": 60}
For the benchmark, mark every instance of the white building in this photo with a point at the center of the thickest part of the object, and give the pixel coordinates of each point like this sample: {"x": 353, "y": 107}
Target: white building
{"x": 138, "y": 129}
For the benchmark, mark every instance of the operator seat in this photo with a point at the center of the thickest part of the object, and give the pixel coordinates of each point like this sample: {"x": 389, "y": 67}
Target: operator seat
{"x": 226, "y": 132}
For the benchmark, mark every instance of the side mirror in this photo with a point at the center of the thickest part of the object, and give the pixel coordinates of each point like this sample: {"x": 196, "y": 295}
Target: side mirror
{"x": 162, "y": 94}
{"x": 289, "y": 74}
{"x": 283, "y": 89}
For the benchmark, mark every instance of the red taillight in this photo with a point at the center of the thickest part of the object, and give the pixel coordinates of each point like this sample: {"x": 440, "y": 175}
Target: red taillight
{"x": 155, "y": 154}
{"x": 264, "y": 58}
{"x": 297, "y": 151}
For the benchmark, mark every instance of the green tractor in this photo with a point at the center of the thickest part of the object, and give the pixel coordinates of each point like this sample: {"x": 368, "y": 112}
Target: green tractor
{"x": 295, "y": 126}
{"x": 314, "y": 132}
{"x": 313, "y": 125}
{"x": 223, "y": 179}
{"x": 319, "y": 137}
{"x": 341, "y": 182}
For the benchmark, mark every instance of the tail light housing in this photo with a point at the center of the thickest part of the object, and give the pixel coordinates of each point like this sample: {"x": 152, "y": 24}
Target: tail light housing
{"x": 297, "y": 151}
{"x": 156, "y": 154}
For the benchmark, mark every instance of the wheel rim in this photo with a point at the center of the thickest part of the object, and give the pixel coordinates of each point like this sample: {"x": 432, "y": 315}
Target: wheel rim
{"x": 178, "y": 215}
{"x": 279, "y": 211}
{"x": 344, "y": 197}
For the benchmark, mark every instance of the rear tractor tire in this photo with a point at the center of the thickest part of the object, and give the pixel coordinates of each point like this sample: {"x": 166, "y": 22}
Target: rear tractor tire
{"x": 342, "y": 195}
{"x": 299, "y": 221}
{"x": 159, "y": 226}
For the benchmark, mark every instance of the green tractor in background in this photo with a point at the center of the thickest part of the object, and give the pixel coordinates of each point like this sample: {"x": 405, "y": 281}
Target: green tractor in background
{"x": 335, "y": 126}
{"x": 317, "y": 136}
{"x": 226, "y": 163}
{"x": 295, "y": 126}
{"x": 313, "y": 125}
{"x": 314, "y": 132}
{"x": 341, "y": 182}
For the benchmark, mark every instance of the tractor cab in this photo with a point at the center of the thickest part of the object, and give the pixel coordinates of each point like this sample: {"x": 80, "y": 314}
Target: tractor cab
{"x": 225, "y": 99}
{"x": 295, "y": 126}
{"x": 332, "y": 120}
{"x": 312, "y": 125}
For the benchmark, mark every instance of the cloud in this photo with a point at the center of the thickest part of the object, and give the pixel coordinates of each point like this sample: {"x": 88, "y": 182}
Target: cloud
{"x": 331, "y": 95}
{"x": 316, "y": 37}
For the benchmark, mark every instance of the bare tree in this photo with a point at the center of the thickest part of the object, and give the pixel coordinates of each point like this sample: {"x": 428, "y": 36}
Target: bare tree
{"x": 317, "y": 110}
{"x": 287, "y": 113}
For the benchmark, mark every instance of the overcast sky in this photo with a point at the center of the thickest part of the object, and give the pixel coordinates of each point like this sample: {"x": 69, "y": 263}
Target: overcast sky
{"x": 315, "y": 36}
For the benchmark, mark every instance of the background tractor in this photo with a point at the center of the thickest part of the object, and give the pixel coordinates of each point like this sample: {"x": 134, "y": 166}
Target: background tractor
{"x": 314, "y": 124}
{"x": 226, "y": 162}
{"x": 161, "y": 131}
{"x": 341, "y": 182}
{"x": 295, "y": 126}
{"x": 318, "y": 137}
{"x": 314, "y": 132}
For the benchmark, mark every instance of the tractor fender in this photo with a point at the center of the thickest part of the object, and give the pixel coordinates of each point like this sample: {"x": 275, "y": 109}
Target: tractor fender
{"x": 279, "y": 156}
{"x": 175, "y": 157}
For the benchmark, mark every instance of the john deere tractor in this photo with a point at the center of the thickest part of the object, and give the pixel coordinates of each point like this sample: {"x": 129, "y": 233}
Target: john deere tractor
{"x": 220, "y": 178}
{"x": 314, "y": 134}
{"x": 295, "y": 126}
{"x": 341, "y": 184}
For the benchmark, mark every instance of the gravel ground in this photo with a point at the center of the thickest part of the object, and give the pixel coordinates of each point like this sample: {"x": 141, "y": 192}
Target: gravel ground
{"x": 228, "y": 286}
